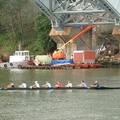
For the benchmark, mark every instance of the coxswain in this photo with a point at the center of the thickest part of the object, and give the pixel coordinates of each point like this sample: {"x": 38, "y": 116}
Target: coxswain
{"x": 11, "y": 85}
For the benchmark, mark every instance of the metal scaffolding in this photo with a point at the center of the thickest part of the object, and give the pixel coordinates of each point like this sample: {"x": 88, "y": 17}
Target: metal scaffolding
{"x": 64, "y": 13}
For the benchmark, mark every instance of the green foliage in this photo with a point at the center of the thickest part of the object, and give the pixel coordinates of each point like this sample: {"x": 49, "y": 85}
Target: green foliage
{"x": 19, "y": 24}
{"x": 5, "y": 44}
{"x": 44, "y": 43}
{"x": 3, "y": 40}
{"x": 14, "y": 23}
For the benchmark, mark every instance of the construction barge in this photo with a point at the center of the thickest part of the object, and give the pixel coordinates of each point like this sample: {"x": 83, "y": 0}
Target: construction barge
{"x": 79, "y": 66}
{"x": 21, "y": 60}
{"x": 59, "y": 60}
{"x": 74, "y": 66}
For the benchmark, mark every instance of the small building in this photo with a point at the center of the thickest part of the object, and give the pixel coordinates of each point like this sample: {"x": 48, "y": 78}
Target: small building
{"x": 20, "y": 56}
{"x": 84, "y": 56}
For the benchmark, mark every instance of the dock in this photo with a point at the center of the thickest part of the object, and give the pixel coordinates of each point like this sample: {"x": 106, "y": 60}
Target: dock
{"x": 70, "y": 66}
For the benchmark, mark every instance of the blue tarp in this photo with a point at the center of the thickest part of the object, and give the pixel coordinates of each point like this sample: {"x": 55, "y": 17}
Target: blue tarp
{"x": 61, "y": 61}
{"x": 77, "y": 26}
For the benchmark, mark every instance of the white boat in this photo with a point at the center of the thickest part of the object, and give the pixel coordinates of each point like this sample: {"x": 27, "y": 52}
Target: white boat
{"x": 18, "y": 59}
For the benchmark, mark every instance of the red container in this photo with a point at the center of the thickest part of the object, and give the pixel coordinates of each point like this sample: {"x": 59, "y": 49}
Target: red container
{"x": 84, "y": 56}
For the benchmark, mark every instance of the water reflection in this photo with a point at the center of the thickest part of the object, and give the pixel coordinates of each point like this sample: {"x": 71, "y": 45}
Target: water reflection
{"x": 16, "y": 70}
{"x": 24, "y": 92}
{"x": 60, "y": 104}
{"x": 36, "y": 92}
{"x": 49, "y": 91}
{"x": 69, "y": 91}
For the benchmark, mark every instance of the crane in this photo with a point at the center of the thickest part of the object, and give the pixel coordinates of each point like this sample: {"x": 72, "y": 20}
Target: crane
{"x": 57, "y": 55}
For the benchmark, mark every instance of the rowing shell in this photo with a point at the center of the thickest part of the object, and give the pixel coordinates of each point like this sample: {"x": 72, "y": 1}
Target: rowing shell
{"x": 61, "y": 88}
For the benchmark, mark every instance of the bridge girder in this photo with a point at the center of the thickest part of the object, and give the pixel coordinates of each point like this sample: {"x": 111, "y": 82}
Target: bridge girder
{"x": 64, "y": 13}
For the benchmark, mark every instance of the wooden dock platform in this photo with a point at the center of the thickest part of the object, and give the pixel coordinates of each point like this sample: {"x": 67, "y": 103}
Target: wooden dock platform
{"x": 70, "y": 66}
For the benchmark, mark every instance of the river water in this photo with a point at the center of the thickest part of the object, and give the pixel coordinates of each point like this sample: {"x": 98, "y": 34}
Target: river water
{"x": 60, "y": 104}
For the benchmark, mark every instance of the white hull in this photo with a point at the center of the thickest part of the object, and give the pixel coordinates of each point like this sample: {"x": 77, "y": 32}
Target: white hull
{"x": 12, "y": 64}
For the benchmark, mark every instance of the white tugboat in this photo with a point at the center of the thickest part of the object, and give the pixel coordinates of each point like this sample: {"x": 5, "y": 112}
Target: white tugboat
{"x": 17, "y": 60}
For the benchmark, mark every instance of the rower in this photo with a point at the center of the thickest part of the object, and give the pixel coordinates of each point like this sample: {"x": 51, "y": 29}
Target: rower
{"x": 11, "y": 85}
{"x": 36, "y": 85}
{"x": 58, "y": 84}
{"x": 96, "y": 84}
{"x": 83, "y": 84}
{"x": 47, "y": 85}
{"x": 23, "y": 85}
{"x": 69, "y": 84}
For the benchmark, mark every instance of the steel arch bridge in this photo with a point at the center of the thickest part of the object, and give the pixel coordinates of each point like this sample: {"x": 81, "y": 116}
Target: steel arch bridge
{"x": 63, "y": 13}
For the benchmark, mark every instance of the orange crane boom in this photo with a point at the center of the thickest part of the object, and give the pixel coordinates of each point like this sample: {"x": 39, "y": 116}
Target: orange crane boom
{"x": 58, "y": 55}
{"x": 82, "y": 32}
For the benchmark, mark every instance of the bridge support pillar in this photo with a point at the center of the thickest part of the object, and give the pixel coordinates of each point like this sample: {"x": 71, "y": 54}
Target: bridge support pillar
{"x": 116, "y": 33}
{"x": 86, "y": 42}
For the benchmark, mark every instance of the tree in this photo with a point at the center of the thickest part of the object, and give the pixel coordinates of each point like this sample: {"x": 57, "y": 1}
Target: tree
{"x": 19, "y": 24}
{"x": 44, "y": 44}
{"x": 14, "y": 23}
